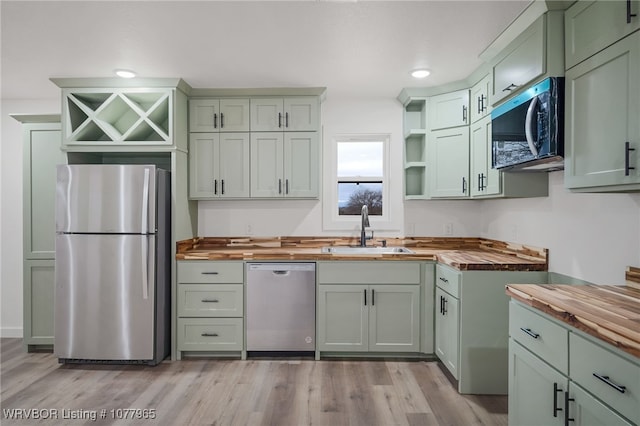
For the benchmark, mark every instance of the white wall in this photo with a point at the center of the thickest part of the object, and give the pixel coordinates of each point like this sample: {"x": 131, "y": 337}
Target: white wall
{"x": 593, "y": 237}
{"x": 11, "y": 201}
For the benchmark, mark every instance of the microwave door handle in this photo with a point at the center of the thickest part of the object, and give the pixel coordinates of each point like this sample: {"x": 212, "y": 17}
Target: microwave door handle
{"x": 527, "y": 126}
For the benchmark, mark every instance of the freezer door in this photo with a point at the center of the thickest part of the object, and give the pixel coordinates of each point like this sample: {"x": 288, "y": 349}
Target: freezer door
{"x": 104, "y": 297}
{"x": 106, "y": 198}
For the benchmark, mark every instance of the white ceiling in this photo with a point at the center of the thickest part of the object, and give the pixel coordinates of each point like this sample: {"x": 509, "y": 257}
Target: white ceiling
{"x": 363, "y": 48}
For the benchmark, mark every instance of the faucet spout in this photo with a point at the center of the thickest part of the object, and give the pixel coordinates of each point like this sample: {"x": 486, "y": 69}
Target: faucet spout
{"x": 364, "y": 223}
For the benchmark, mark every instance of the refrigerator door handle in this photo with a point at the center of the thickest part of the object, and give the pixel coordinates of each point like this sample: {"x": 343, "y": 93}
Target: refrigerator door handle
{"x": 145, "y": 203}
{"x": 144, "y": 263}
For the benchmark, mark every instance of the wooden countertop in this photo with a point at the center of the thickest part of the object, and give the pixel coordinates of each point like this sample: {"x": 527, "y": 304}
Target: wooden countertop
{"x": 460, "y": 253}
{"x": 610, "y": 313}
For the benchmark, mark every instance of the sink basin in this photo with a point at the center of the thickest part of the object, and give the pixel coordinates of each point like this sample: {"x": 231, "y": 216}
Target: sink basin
{"x": 366, "y": 250}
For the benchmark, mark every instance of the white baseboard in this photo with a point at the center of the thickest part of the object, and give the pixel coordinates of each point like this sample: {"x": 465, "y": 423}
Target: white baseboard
{"x": 11, "y": 332}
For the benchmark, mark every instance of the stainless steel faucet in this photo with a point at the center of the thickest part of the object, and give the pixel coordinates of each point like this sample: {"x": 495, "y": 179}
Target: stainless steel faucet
{"x": 364, "y": 223}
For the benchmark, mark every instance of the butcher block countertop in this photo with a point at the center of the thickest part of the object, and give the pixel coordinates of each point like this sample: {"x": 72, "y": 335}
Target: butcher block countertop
{"x": 460, "y": 253}
{"x": 607, "y": 312}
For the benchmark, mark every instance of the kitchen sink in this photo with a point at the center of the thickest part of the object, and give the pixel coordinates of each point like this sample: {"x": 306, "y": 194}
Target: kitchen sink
{"x": 366, "y": 250}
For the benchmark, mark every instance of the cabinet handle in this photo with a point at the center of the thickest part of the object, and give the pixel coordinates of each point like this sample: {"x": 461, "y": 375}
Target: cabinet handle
{"x": 479, "y": 182}
{"x": 629, "y": 14}
{"x": 286, "y": 186}
{"x": 464, "y": 113}
{"x": 627, "y": 158}
{"x": 209, "y": 273}
{"x": 482, "y": 99}
{"x": 510, "y": 87}
{"x": 373, "y": 297}
{"x": 556, "y": 389}
{"x": 567, "y": 419}
{"x": 444, "y": 280}
{"x": 215, "y": 121}
{"x": 464, "y": 185}
{"x": 215, "y": 186}
{"x": 210, "y": 300}
{"x": 365, "y": 297}
{"x": 619, "y": 388}
{"x": 209, "y": 334}
{"x": 221, "y": 120}
{"x": 530, "y": 333}
{"x": 479, "y": 104}
{"x": 286, "y": 119}
{"x": 444, "y": 305}
{"x": 279, "y": 186}
{"x": 222, "y": 184}
{"x": 279, "y": 119}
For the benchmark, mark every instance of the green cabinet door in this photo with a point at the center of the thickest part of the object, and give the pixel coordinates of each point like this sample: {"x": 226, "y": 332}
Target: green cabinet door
{"x": 301, "y": 164}
{"x": 38, "y": 292}
{"x": 449, "y": 110}
{"x": 343, "y": 318}
{"x": 218, "y": 165}
{"x": 394, "y": 318}
{"x": 41, "y": 155}
{"x": 267, "y": 160}
{"x": 301, "y": 114}
{"x": 219, "y": 115}
{"x": 479, "y": 104}
{"x": 603, "y": 117}
{"x": 447, "y": 339}
{"x": 585, "y": 410}
{"x": 536, "y": 391}
{"x": 449, "y": 162}
{"x": 483, "y": 179}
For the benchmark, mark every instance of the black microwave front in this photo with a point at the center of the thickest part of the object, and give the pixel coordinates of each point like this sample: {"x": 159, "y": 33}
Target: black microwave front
{"x": 527, "y": 131}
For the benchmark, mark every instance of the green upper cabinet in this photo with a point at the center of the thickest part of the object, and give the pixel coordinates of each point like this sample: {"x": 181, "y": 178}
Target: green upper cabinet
{"x": 591, "y": 26}
{"x": 533, "y": 54}
{"x": 219, "y": 115}
{"x": 484, "y": 180}
{"x": 602, "y": 113}
{"x": 479, "y": 103}
{"x": 41, "y": 154}
{"x": 290, "y": 114}
{"x": 218, "y": 165}
{"x": 449, "y": 110}
{"x": 284, "y": 165}
{"x": 449, "y": 162}
{"x": 415, "y": 148}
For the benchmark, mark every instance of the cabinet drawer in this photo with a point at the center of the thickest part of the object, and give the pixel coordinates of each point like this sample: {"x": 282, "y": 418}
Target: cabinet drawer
{"x": 210, "y": 300}
{"x": 541, "y": 336}
{"x": 210, "y": 272}
{"x": 210, "y": 334}
{"x": 588, "y": 359}
{"x": 449, "y": 280}
{"x": 391, "y": 272}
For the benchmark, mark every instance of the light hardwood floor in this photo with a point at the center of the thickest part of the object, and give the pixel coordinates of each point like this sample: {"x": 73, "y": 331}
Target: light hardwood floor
{"x": 230, "y": 392}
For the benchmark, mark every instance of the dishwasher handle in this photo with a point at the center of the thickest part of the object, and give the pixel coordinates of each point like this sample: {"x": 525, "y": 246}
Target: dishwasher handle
{"x": 282, "y": 273}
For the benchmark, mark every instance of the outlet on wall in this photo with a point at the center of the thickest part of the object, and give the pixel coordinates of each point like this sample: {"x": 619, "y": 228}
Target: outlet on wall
{"x": 448, "y": 228}
{"x": 248, "y": 229}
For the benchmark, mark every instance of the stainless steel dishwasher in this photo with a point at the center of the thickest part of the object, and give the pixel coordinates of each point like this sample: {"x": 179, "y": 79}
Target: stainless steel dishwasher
{"x": 281, "y": 307}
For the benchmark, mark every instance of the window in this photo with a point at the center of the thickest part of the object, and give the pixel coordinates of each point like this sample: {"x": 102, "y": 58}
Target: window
{"x": 360, "y": 173}
{"x": 357, "y": 174}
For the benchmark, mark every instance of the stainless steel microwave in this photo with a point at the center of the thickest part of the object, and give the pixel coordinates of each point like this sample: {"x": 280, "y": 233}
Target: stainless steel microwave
{"x": 527, "y": 131}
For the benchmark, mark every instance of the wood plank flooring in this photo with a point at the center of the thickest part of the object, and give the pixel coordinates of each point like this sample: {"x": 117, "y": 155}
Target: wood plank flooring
{"x": 280, "y": 392}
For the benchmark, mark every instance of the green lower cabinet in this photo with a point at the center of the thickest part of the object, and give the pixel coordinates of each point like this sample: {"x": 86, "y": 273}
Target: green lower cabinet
{"x": 369, "y": 318}
{"x": 38, "y": 293}
{"x": 536, "y": 390}
{"x": 447, "y": 336}
{"x": 585, "y": 410}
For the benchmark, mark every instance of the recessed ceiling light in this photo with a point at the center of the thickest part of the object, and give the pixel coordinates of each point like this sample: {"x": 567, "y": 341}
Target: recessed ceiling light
{"x": 420, "y": 73}
{"x": 125, "y": 73}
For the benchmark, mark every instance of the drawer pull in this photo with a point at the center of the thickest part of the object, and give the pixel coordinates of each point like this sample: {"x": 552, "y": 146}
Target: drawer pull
{"x": 210, "y": 300}
{"x": 556, "y": 389}
{"x": 619, "y": 388}
{"x": 209, "y": 334}
{"x": 567, "y": 419}
{"x": 530, "y": 333}
{"x": 210, "y": 273}
{"x": 444, "y": 280}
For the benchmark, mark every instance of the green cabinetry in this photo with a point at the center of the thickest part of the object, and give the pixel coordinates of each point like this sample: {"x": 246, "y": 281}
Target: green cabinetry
{"x": 557, "y": 375}
{"x": 290, "y": 114}
{"x": 476, "y": 352}
{"x": 41, "y": 153}
{"x": 602, "y": 129}
{"x": 415, "y": 148}
{"x": 449, "y": 162}
{"x": 480, "y": 102}
{"x": 210, "y": 308}
{"x": 449, "y": 110}
{"x": 219, "y": 115}
{"x": 369, "y": 307}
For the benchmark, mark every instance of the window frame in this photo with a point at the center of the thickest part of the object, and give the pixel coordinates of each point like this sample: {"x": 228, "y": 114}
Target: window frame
{"x": 331, "y": 219}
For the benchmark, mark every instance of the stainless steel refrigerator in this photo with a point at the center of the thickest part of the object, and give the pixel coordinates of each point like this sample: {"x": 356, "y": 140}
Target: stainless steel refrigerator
{"x": 113, "y": 264}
